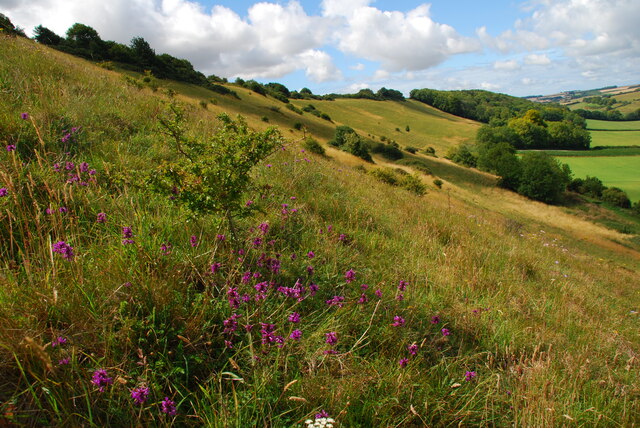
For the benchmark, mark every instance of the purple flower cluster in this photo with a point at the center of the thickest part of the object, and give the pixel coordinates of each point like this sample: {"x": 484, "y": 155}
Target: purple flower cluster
{"x": 469, "y": 376}
{"x": 59, "y": 341}
{"x": 168, "y": 407}
{"x": 140, "y": 394}
{"x": 3, "y": 192}
{"x": 101, "y": 379}
{"x": 11, "y": 147}
{"x": 350, "y": 276}
{"x": 336, "y": 301}
{"x": 64, "y": 249}
{"x": 127, "y": 234}
{"x": 101, "y": 218}
{"x": 398, "y": 321}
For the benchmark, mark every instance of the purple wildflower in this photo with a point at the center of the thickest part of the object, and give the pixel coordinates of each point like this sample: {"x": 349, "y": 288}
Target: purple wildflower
{"x": 11, "y": 147}
{"x": 101, "y": 379}
{"x": 294, "y": 317}
{"x": 221, "y": 237}
{"x": 296, "y": 334}
{"x": 398, "y": 321}
{"x": 311, "y": 254}
{"x": 215, "y": 267}
{"x": 403, "y": 362}
{"x": 101, "y": 218}
{"x": 249, "y": 203}
{"x": 168, "y": 407}
{"x": 413, "y": 348}
{"x": 24, "y": 116}
{"x": 435, "y": 319}
{"x": 364, "y": 287}
{"x": 350, "y": 275}
{"x": 342, "y": 238}
{"x": 322, "y": 414}
{"x": 469, "y": 376}
{"x": 59, "y": 341}
{"x": 331, "y": 338}
{"x": 140, "y": 394}
{"x": 165, "y": 249}
{"x": 336, "y": 301}
{"x": 363, "y": 299}
{"x": 64, "y": 249}
{"x": 64, "y": 361}
{"x": 3, "y": 192}
{"x": 264, "y": 228}
{"x": 402, "y": 286}
{"x": 400, "y": 297}
{"x": 378, "y": 293}
{"x": 127, "y": 234}
{"x": 313, "y": 289}
{"x": 310, "y": 270}
{"x": 63, "y": 210}
{"x": 69, "y": 166}
{"x": 84, "y": 167}
{"x": 445, "y": 332}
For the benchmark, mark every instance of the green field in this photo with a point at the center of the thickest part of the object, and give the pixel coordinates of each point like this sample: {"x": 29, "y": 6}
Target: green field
{"x": 622, "y": 172}
{"x": 609, "y": 125}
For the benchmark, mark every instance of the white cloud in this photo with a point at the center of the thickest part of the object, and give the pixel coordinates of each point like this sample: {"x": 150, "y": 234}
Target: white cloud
{"x": 511, "y": 64}
{"x": 357, "y": 67}
{"x": 489, "y": 86}
{"x": 319, "y": 66}
{"x": 411, "y": 41}
{"x": 535, "y": 59}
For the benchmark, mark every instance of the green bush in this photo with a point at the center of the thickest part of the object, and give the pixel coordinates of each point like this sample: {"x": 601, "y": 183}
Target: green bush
{"x": 617, "y": 197}
{"x": 313, "y": 146}
{"x": 438, "y": 183}
{"x": 542, "y": 177}
{"x": 411, "y": 150}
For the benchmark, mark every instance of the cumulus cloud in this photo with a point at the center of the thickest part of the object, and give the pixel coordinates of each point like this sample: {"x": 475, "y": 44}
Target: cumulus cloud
{"x": 399, "y": 41}
{"x": 506, "y": 65}
{"x": 535, "y": 59}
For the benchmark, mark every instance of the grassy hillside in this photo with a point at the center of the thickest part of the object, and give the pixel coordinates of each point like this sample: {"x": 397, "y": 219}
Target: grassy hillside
{"x": 339, "y": 294}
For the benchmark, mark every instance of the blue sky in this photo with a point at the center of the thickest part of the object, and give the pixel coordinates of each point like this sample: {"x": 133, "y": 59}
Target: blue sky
{"x": 511, "y": 46}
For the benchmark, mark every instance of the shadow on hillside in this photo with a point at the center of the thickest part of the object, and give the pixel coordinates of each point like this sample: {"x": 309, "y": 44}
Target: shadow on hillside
{"x": 451, "y": 172}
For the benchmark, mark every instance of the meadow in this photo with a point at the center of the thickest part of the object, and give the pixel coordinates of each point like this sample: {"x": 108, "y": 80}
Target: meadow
{"x": 128, "y": 299}
{"x": 621, "y": 172}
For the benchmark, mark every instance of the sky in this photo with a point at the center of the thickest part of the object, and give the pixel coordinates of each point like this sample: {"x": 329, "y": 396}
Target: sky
{"x": 532, "y": 47}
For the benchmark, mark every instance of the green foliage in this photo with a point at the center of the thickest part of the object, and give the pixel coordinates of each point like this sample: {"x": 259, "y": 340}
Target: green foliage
{"x": 389, "y": 151}
{"x": 400, "y": 178}
{"x": 617, "y": 197}
{"x": 312, "y": 145}
{"x": 501, "y": 160}
{"x": 355, "y": 145}
{"x": 462, "y": 155}
{"x": 46, "y": 36}
{"x": 411, "y": 150}
{"x": 438, "y": 183}
{"x": 210, "y": 176}
{"x": 542, "y": 177}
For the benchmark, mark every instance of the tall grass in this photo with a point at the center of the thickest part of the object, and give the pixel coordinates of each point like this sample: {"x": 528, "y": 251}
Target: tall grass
{"x": 549, "y": 331}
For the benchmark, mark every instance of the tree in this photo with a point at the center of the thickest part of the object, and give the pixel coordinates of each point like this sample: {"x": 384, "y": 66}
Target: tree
{"x": 542, "y": 178}
{"x": 501, "y": 160}
{"x": 340, "y": 136}
{"x": 143, "y": 53}
{"x": 617, "y": 197}
{"x": 46, "y": 37}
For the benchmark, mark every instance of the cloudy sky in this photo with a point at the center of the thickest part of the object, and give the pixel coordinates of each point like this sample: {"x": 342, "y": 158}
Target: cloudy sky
{"x": 511, "y": 46}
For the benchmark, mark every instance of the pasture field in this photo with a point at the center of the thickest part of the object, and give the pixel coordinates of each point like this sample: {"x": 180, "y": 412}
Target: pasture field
{"x": 615, "y": 138}
{"x": 622, "y": 172}
{"x": 610, "y": 125}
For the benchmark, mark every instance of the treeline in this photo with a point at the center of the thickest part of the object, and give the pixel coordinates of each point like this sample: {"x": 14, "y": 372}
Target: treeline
{"x": 84, "y": 41}
{"x": 615, "y": 115}
{"x": 7, "y": 27}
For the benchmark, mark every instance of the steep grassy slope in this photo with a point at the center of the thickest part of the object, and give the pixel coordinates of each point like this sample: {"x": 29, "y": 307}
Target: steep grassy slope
{"x": 505, "y": 320}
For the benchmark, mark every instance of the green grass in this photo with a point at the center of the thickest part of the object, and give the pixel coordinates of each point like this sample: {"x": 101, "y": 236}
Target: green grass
{"x": 544, "y": 321}
{"x": 374, "y": 119}
{"x": 599, "y": 152}
{"x": 615, "y": 138}
{"x": 619, "y": 172}
{"x": 610, "y": 125}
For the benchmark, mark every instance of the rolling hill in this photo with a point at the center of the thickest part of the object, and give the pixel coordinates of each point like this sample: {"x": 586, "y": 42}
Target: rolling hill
{"x": 324, "y": 291}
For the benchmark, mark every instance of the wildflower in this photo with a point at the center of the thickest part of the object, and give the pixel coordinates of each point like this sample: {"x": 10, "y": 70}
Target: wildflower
{"x": 64, "y": 361}
{"x": 64, "y": 249}
{"x": 364, "y": 287}
{"x": 311, "y": 254}
{"x": 24, "y": 116}
{"x": 215, "y": 267}
{"x": 322, "y": 414}
{"x": 378, "y": 293}
{"x": 140, "y": 395}
{"x": 350, "y": 275}
{"x": 59, "y": 341}
{"x": 193, "y": 241}
{"x": 63, "y": 210}
{"x": 296, "y": 334}
{"x": 264, "y": 228}
{"x": 294, "y": 317}
{"x": 342, "y": 238}
{"x": 127, "y": 234}
{"x": 331, "y": 338}
{"x": 398, "y": 321}
{"x": 69, "y": 166}
{"x": 400, "y": 297}
{"x": 469, "y": 376}
{"x": 11, "y": 147}
{"x": 313, "y": 289}
{"x": 402, "y": 286}
{"x": 48, "y": 211}
{"x": 228, "y": 344}
{"x": 249, "y": 203}
{"x": 336, "y": 301}
{"x": 403, "y": 362}
{"x": 3, "y": 192}
{"x": 445, "y": 332}
{"x": 310, "y": 270}
{"x": 435, "y": 319}
{"x": 269, "y": 165}
{"x": 221, "y": 237}
{"x": 168, "y": 407}
{"x": 165, "y": 249}
{"x": 101, "y": 218}
{"x": 413, "y": 348}
{"x": 363, "y": 299}
{"x": 84, "y": 167}
{"x": 101, "y": 379}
